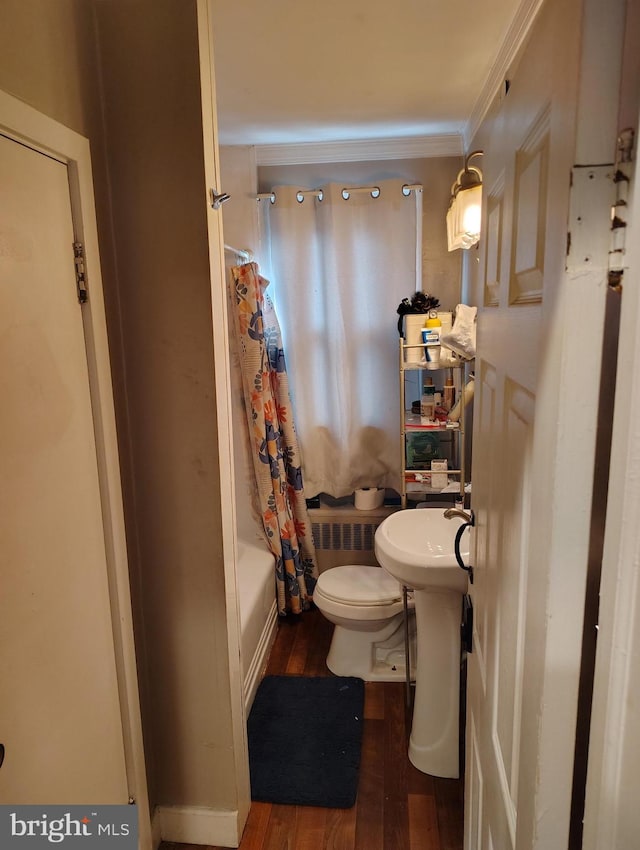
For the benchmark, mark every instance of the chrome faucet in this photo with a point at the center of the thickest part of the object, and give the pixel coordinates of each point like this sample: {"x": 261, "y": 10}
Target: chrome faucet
{"x": 451, "y": 512}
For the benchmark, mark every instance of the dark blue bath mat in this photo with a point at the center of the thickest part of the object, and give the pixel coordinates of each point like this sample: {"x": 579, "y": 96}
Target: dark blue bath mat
{"x": 305, "y": 735}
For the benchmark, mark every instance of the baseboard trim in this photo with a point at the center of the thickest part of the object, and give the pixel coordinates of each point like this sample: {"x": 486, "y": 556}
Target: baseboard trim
{"x": 196, "y": 825}
{"x": 259, "y": 660}
{"x": 156, "y": 830}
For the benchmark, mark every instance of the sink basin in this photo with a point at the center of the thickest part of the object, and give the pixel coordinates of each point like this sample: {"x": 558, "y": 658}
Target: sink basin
{"x": 416, "y": 547}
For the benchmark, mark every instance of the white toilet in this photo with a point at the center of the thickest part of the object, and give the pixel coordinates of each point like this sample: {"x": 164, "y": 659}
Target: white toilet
{"x": 365, "y": 605}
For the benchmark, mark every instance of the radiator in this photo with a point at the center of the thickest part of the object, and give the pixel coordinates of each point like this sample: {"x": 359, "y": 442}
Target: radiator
{"x": 344, "y": 535}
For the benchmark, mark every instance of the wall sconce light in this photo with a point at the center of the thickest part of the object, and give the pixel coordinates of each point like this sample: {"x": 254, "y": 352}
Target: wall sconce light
{"x": 465, "y": 207}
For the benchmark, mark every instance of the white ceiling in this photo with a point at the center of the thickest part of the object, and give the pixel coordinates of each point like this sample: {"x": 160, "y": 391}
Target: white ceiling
{"x": 292, "y": 71}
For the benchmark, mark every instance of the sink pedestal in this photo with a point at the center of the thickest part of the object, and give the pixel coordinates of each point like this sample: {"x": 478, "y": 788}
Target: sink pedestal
{"x": 435, "y": 741}
{"x": 417, "y": 548}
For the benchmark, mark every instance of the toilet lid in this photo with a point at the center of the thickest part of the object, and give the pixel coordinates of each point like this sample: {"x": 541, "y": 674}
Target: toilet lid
{"x": 359, "y": 585}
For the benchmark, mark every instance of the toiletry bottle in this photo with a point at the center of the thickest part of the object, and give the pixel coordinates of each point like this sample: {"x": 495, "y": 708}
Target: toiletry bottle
{"x": 432, "y": 327}
{"x": 448, "y": 394}
{"x": 427, "y": 404}
{"x": 431, "y": 338}
{"x": 440, "y": 411}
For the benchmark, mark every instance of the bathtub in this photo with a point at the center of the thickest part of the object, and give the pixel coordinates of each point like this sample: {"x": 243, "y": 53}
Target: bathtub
{"x": 255, "y": 573}
{"x": 258, "y": 613}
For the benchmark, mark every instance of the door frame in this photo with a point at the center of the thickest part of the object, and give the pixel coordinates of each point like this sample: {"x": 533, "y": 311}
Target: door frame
{"x": 224, "y": 408}
{"x": 611, "y": 799}
{"x": 24, "y": 124}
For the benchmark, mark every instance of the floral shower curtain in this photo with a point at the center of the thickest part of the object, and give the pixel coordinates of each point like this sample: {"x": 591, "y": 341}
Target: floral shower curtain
{"x": 275, "y": 453}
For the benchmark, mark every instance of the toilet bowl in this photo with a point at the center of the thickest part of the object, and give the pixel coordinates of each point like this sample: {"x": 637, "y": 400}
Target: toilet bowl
{"x": 365, "y": 605}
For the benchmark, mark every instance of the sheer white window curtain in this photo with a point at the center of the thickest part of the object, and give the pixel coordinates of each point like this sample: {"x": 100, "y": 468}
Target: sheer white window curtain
{"x": 339, "y": 269}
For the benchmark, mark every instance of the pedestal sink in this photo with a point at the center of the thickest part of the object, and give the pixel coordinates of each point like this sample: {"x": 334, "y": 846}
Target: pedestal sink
{"x": 417, "y": 547}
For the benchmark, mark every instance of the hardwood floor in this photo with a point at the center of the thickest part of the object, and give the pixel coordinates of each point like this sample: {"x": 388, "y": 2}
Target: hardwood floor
{"x": 398, "y": 807}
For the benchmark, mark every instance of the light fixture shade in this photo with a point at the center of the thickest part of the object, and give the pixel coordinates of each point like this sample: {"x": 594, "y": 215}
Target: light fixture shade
{"x": 464, "y": 218}
{"x": 454, "y": 237}
{"x": 470, "y": 212}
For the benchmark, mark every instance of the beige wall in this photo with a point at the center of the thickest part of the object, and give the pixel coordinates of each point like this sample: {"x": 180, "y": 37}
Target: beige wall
{"x": 154, "y": 132}
{"x": 440, "y": 269}
{"x": 47, "y": 59}
{"x": 150, "y": 194}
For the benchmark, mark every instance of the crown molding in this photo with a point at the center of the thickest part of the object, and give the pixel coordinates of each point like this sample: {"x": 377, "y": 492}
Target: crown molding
{"x": 514, "y": 39}
{"x": 417, "y": 147}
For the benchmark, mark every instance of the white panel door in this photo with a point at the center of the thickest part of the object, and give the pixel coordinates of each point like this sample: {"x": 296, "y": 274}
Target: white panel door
{"x": 60, "y": 720}
{"x": 529, "y": 147}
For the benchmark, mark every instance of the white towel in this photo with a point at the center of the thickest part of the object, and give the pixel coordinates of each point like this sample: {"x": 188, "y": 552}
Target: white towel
{"x": 462, "y": 337}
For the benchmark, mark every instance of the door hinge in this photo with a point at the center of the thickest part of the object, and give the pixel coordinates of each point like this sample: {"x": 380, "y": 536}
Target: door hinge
{"x": 623, "y": 173}
{"x": 81, "y": 276}
{"x": 588, "y": 235}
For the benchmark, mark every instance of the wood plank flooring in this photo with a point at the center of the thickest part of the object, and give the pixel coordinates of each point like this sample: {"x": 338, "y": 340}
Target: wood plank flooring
{"x": 398, "y": 807}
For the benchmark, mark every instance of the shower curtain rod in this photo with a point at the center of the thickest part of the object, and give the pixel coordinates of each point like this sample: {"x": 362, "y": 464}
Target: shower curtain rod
{"x": 240, "y": 253}
{"x": 407, "y": 189}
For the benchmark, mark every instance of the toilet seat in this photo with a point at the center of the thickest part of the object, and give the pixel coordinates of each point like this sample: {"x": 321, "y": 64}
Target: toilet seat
{"x": 358, "y": 593}
{"x": 359, "y": 586}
